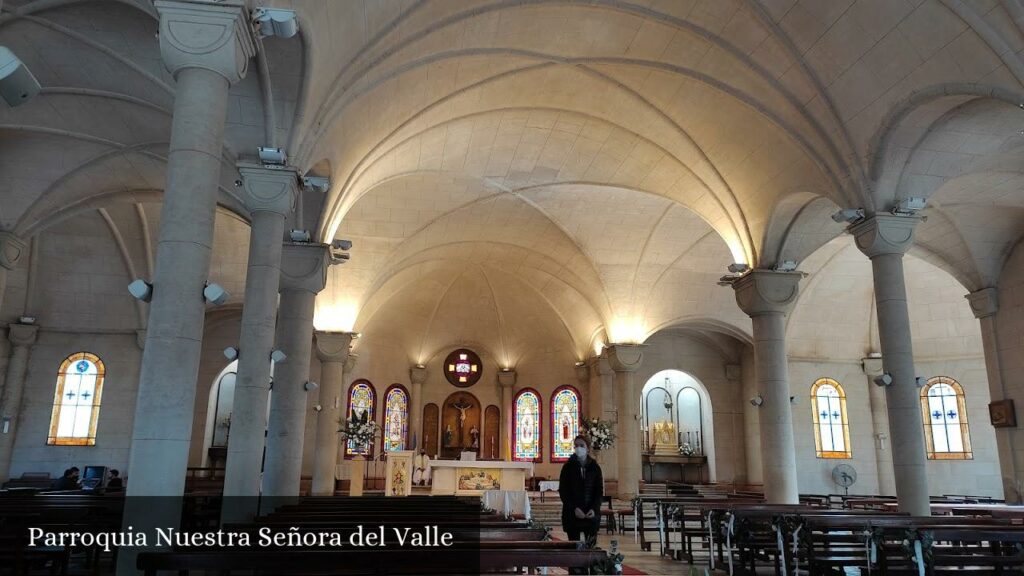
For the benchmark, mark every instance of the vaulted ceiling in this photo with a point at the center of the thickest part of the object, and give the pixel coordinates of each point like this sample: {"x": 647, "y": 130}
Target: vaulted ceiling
{"x": 596, "y": 163}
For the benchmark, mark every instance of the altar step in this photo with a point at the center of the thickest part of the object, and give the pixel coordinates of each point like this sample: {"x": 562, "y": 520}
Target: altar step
{"x": 549, "y": 512}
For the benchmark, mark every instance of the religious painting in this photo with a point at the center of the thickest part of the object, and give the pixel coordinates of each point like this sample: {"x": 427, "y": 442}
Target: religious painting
{"x": 526, "y": 440}
{"x": 396, "y": 418}
{"x": 492, "y": 433}
{"x": 460, "y": 424}
{"x": 565, "y": 422}
{"x": 1002, "y": 414}
{"x": 463, "y": 368}
{"x": 479, "y": 479}
{"x": 431, "y": 421}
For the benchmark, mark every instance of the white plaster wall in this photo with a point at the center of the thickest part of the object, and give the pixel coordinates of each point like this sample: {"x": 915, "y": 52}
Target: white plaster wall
{"x": 122, "y": 358}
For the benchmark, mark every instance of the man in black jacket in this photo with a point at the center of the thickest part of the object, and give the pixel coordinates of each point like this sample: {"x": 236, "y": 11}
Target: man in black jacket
{"x": 581, "y": 489}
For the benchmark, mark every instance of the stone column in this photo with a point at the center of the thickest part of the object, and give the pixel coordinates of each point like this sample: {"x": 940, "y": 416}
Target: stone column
{"x": 602, "y": 392}
{"x": 583, "y": 382}
{"x": 333, "y": 349}
{"x": 417, "y": 376}
{"x": 207, "y": 48}
{"x": 22, "y": 337}
{"x": 507, "y": 381}
{"x": 767, "y": 296}
{"x": 884, "y": 239}
{"x": 303, "y": 276}
{"x": 269, "y": 195}
{"x": 985, "y": 305}
{"x": 625, "y": 360}
{"x": 11, "y": 250}
{"x": 880, "y": 427}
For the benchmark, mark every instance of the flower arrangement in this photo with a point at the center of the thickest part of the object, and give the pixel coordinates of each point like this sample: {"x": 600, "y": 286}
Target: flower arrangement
{"x": 359, "y": 429}
{"x": 686, "y": 449}
{"x": 600, "y": 432}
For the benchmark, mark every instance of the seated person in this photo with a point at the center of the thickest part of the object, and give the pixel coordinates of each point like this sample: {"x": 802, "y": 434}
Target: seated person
{"x": 115, "y": 483}
{"x": 421, "y": 469}
{"x": 69, "y": 481}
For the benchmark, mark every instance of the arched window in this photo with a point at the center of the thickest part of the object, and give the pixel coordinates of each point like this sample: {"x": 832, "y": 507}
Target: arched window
{"x": 361, "y": 398}
{"x": 944, "y": 412}
{"x": 831, "y": 428}
{"x": 565, "y": 422}
{"x": 76, "y": 401}
{"x": 396, "y": 418}
{"x": 527, "y": 426}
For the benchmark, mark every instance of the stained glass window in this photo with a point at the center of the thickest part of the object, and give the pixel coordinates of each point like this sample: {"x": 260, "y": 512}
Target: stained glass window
{"x": 565, "y": 422}
{"x": 76, "y": 401}
{"x": 944, "y": 412}
{"x": 361, "y": 399}
{"x": 396, "y": 418}
{"x": 527, "y": 426}
{"x": 831, "y": 427}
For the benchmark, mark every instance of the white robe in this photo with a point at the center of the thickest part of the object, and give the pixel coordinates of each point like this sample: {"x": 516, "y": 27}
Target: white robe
{"x": 421, "y": 474}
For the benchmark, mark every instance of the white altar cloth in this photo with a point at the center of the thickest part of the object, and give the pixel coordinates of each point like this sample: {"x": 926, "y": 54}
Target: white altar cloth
{"x": 508, "y": 502}
{"x": 546, "y": 485}
{"x": 462, "y": 477}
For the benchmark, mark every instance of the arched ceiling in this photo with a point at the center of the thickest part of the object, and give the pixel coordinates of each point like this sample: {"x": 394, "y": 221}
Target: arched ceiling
{"x": 614, "y": 156}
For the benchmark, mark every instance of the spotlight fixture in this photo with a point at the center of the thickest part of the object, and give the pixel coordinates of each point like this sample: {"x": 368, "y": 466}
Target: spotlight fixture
{"x": 215, "y": 294}
{"x": 317, "y": 408}
{"x": 141, "y": 290}
{"x": 757, "y": 401}
{"x": 318, "y": 183}
{"x": 921, "y": 381}
{"x": 17, "y": 84}
{"x": 343, "y": 245}
{"x": 27, "y": 320}
{"x": 300, "y": 236}
{"x": 786, "y": 266}
{"x": 278, "y": 356}
{"x": 883, "y": 379}
{"x": 849, "y": 215}
{"x": 231, "y": 353}
{"x": 309, "y": 386}
{"x": 794, "y": 399}
{"x": 738, "y": 268}
{"x": 909, "y": 206}
{"x": 339, "y": 251}
{"x": 275, "y": 22}
{"x": 272, "y": 156}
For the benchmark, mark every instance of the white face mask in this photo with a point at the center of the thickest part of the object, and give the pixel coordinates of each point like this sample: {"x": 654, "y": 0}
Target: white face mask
{"x": 581, "y": 452}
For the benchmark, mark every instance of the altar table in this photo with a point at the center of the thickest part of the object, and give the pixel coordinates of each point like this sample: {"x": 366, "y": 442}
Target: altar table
{"x": 460, "y": 477}
{"x": 508, "y": 502}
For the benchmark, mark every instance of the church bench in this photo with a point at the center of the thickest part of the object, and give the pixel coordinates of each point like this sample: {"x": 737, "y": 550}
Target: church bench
{"x": 403, "y": 561}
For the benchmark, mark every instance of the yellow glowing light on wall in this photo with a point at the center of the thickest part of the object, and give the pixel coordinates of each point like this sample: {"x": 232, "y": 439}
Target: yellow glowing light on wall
{"x": 598, "y": 347}
{"x": 336, "y": 317}
{"x": 627, "y": 331}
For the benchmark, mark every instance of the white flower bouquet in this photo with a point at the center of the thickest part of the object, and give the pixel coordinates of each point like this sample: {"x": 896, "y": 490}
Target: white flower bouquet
{"x": 600, "y": 432}
{"x": 359, "y": 429}
{"x": 686, "y": 449}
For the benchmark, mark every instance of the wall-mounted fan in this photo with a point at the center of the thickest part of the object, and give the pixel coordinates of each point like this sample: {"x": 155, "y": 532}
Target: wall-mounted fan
{"x": 844, "y": 475}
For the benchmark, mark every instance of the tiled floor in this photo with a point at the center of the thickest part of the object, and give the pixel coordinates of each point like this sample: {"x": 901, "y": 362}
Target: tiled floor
{"x": 645, "y": 562}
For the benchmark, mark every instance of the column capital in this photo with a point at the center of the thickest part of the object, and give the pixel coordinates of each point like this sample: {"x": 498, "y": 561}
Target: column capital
{"x": 884, "y": 234}
{"x": 269, "y": 189}
{"x": 625, "y": 357}
{"x": 304, "y": 267}
{"x": 22, "y": 334}
{"x": 334, "y": 346}
{"x": 582, "y": 372}
{"x": 12, "y": 249}
{"x": 507, "y": 378}
{"x": 200, "y": 34}
{"x": 872, "y": 366}
{"x": 418, "y": 374}
{"x": 763, "y": 291}
{"x": 984, "y": 302}
{"x": 599, "y": 364}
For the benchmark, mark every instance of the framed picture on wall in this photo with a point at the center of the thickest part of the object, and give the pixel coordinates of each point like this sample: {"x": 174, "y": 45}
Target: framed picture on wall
{"x": 1002, "y": 414}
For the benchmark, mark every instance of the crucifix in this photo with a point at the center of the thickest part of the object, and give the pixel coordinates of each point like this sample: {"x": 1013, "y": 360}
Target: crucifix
{"x": 461, "y": 405}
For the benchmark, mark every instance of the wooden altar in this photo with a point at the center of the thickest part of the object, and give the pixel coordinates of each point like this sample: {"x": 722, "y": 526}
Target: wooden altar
{"x": 659, "y": 468}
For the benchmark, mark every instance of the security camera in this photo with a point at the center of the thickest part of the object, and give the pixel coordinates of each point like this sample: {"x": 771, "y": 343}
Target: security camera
{"x": 309, "y": 386}
{"x": 318, "y": 183}
{"x": 849, "y": 215}
{"x": 273, "y": 156}
{"x": 757, "y": 401}
{"x": 17, "y": 84}
{"x": 909, "y": 206}
{"x": 794, "y": 399}
{"x": 317, "y": 408}
{"x": 737, "y": 268}
{"x": 921, "y": 381}
{"x": 215, "y": 294}
{"x": 278, "y": 356}
{"x": 300, "y": 235}
{"x": 231, "y": 352}
{"x": 141, "y": 290}
{"x": 883, "y": 380}
{"x": 276, "y": 22}
{"x": 344, "y": 245}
